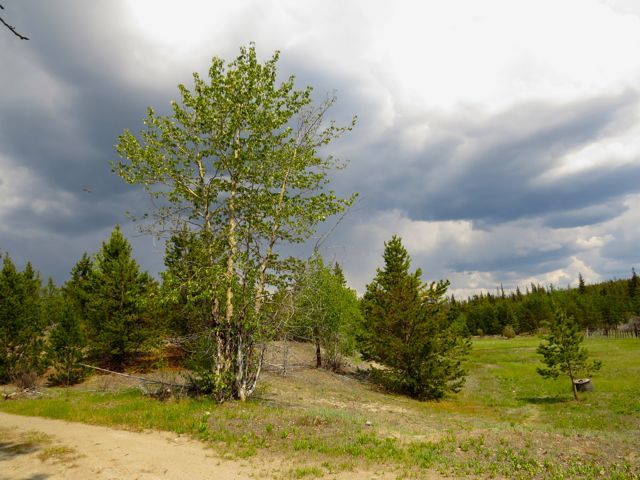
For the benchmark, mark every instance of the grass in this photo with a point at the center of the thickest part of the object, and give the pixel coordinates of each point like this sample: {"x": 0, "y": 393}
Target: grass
{"x": 58, "y": 454}
{"x": 507, "y": 422}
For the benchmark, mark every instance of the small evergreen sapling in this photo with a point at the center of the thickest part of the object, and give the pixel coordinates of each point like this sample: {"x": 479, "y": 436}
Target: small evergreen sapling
{"x": 562, "y": 353}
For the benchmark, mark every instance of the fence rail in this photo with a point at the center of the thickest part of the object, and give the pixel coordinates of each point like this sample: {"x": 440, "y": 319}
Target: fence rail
{"x": 626, "y": 331}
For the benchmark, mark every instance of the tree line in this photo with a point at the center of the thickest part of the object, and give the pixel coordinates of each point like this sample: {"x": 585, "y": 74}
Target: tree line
{"x": 599, "y": 306}
{"x": 104, "y": 313}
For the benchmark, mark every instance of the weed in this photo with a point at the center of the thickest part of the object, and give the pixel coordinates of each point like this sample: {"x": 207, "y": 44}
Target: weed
{"x": 59, "y": 453}
{"x": 306, "y": 472}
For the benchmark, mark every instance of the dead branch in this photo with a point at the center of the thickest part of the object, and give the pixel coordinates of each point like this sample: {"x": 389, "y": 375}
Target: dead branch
{"x": 142, "y": 379}
{"x": 12, "y": 28}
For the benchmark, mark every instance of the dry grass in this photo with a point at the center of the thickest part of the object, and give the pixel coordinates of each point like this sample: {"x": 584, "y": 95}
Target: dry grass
{"x": 58, "y": 454}
{"x": 507, "y": 422}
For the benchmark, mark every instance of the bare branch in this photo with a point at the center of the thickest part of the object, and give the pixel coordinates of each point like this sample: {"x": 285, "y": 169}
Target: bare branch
{"x": 12, "y": 28}
{"x": 142, "y": 379}
{"x": 324, "y": 237}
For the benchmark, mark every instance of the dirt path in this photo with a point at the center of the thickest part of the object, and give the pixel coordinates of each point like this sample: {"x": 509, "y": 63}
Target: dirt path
{"x": 34, "y": 448}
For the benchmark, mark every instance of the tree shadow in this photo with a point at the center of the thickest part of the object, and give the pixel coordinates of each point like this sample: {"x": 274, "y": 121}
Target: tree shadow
{"x": 9, "y": 450}
{"x": 543, "y": 400}
{"x": 34, "y": 476}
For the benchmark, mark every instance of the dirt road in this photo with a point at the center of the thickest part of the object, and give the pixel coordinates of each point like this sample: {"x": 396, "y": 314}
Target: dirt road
{"x": 37, "y": 448}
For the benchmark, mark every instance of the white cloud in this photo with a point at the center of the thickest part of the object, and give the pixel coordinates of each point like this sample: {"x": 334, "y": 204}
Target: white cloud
{"x": 421, "y": 74}
{"x": 512, "y": 254}
{"x": 428, "y": 54}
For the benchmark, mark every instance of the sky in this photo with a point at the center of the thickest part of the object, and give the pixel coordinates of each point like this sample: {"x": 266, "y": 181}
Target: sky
{"x": 499, "y": 139}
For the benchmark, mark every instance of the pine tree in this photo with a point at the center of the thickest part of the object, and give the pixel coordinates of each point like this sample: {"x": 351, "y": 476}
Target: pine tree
{"x": 562, "y": 353}
{"x": 21, "y": 323}
{"x": 67, "y": 340}
{"x": 119, "y": 322}
{"x": 77, "y": 290}
{"x": 582, "y": 289}
{"x": 407, "y": 330}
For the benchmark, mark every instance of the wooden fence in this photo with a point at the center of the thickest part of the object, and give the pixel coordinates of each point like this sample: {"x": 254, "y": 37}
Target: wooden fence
{"x": 620, "y": 331}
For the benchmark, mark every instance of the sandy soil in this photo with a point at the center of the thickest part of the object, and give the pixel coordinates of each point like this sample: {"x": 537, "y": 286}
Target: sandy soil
{"x": 34, "y": 448}
{"x": 37, "y": 448}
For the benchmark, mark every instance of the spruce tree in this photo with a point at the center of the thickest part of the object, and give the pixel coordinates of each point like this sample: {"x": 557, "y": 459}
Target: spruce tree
{"x": 21, "y": 323}
{"x": 77, "y": 290}
{"x": 582, "y": 289}
{"x": 633, "y": 283}
{"x": 406, "y": 329}
{"x": 186, "y": 286}
{"x": 66, "y": 341}
{"x": 634, "y": 298}
{"x": 119, "y": 322}
{"x": 339, "y": 274}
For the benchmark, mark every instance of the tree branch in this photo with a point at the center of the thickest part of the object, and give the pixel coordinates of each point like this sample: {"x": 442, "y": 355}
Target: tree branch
{"x": 142, "y": 379}
{"x": 12, "y": 28}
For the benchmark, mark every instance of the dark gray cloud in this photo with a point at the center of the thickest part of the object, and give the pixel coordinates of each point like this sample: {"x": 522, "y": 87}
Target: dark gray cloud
{"x": 492, "y": 170}
{"x": 86, "y": 75}
{"x": 534, "y": 262}
{"x": 64, "y": 103}
{"x": 590, "y": 215}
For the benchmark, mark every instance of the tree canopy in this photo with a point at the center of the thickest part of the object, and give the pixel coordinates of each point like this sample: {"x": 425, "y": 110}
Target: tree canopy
{"x": 237, "y": 168}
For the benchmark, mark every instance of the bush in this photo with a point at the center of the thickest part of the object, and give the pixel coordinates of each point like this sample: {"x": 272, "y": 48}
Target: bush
{"x": 26, "y": 380}
{"x": 508, "y": 332}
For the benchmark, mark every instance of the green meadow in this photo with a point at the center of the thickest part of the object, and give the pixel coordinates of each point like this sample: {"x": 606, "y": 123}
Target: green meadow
{"x": 507, "y": 422}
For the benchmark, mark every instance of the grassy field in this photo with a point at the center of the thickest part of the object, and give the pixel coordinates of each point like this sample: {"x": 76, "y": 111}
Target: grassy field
{"x": 507, "y": 422}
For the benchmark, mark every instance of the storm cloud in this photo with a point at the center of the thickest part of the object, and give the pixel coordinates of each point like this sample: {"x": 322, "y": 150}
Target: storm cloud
{"x": 498, "y": 156}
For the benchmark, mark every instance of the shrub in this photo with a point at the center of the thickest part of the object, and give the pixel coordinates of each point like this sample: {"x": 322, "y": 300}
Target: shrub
{"x": 508, "y": 332}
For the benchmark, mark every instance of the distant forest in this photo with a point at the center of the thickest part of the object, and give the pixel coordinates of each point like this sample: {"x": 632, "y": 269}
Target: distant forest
{"x": 600, "y": 306}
